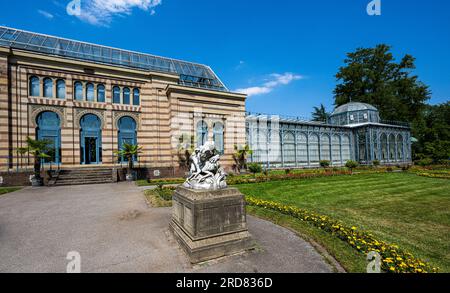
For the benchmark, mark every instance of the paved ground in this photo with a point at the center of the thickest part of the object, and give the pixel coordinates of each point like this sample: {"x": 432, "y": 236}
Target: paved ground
{"x": 114, "y": 231}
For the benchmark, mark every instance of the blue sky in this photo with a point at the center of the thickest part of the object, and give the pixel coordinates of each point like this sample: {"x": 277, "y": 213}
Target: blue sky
{"x": 284, "y": 52}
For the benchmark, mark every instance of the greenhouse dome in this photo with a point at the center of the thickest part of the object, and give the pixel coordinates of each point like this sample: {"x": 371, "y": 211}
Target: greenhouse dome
{"x": 354, "y": 113}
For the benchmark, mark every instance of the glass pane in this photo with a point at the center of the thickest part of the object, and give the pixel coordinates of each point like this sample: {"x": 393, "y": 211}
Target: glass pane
{"x": 90, "y": 92}
{"x": 48, "y": 88}
{"x": 101, "y": 93}
{"x": 126, "y": 96}
{"x": 61, "y": 89}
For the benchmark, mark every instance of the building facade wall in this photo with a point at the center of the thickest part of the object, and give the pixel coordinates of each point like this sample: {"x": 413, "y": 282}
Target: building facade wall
{"x": 163, "y": 105}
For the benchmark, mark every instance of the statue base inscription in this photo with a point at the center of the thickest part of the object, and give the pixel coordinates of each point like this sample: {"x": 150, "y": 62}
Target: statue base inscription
{"x": 210, "y": 224}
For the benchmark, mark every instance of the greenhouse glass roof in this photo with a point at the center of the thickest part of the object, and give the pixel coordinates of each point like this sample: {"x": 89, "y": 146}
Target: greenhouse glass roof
{"x": 191, "y": 74}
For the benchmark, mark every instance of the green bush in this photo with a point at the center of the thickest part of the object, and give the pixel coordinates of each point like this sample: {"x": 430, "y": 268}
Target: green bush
{"x": 255, "y": 168}
{"x": 425, "y": 162}
{"x": 324, "y": 164}
{"x": 287, "y": 171}
{"x": 389, "y": 169}
{"x": 351, "y": 165}
{"x": 376, "y": 163}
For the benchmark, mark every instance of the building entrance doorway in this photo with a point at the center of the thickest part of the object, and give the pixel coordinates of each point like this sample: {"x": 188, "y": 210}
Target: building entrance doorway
{"x": 90, "y": 140}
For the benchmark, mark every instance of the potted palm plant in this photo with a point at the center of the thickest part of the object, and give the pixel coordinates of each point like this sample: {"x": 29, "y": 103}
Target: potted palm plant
{"x": 129, "y": 152}
{"x": 40, "y": 150}
{"x": 240, "y": 158}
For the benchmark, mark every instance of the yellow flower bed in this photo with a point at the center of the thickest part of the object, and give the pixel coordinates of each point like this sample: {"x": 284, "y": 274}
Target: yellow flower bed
{"x": 394, "y": 259}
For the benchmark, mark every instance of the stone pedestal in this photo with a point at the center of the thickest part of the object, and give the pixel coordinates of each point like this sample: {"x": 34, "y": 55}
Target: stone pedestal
{"x": 210, "y": 224}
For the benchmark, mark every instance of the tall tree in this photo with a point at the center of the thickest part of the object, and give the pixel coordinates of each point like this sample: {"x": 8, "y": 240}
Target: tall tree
{"x": 320, "y": 114}
{"x": 371, "y": 75}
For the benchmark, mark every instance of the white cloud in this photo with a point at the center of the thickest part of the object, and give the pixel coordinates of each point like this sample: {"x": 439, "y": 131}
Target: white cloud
{"x": 102, "y": 12}
{"x": 275, "y": 81}
{"x": 46, "y": 14}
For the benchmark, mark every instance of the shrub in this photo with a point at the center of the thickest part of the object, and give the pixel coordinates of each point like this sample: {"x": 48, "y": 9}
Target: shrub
{"x": 376, "y": 163}
{"x": 389, "y": 169}
{"x": 425, "y": 162}
{"x": 287, "y": 171}
{"x": 324, "y": 164}
{"x": 351, "y": 165}
{"x": 255, "y": 168}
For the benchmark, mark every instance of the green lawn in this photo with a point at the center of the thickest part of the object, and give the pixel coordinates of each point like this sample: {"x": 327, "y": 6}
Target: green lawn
{"x": 400, "y": 208}
{"x": 4, "y": 190}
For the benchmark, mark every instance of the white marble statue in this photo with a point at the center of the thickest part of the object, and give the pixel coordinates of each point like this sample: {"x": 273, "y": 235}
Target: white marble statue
{"x": 205, "y": 172}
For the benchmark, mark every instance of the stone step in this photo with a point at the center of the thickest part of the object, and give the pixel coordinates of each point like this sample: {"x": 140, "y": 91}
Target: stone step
{"x": 83, "y": 176}
{"x": 84, "y": 181}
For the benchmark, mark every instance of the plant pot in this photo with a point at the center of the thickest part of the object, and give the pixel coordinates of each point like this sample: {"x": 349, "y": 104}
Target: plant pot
{"x": 36, "y": 182}
{"x": 131, "y": 176}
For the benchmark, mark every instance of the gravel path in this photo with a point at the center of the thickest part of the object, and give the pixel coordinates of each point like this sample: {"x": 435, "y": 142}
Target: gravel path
{"x": 114, "y": 230}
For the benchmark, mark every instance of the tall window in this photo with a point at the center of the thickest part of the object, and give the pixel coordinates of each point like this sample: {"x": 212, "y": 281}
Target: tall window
{"x": 336, "y": 149}
{"x": 346, "y": 156}
{"x": 60, "y": 89}
{"x": 392, "y": 147}
{"x": 376, "y": 152}
{"x": 325, "y": 148}
{"x": 90, "y": 92}
{"x": 49, "y": 128}
{"x": 48, "y": 87}
{"x": 289, "y": 148}
{"x": 314, "y": 149}
{"x": 101, "y": 93}
{"x": 136, "y": 97}
{"x": 218, "y": 137}
{"x": 116, "y": 95}
{"x": 202, "y": 133}
{"x": 400, "y": 156}
{"x": 34, "y": 86}
{"x": 78, "y": 91}
{"x": 384, "y": 148}
{"x": 302, "y": 149}
{"x": 127, "y": 133}
{"x": 126, "y": 96}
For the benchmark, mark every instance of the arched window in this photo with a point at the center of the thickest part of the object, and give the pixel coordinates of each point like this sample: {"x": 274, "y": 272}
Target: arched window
{"x": 289, "y": 148}
{"x": 90, "y": 139}
{"x": 346, "y": 155}
{"x": 136, "y": 97}
{"x": 202, "y": 133}
{"x": 302, "y": 149}
{"x": 362, "y": 155}
{"x": 336, "y": 149}
{"x": 376, "y": 151}
{"x": 101, "y": 93}
{"x": 116, "y": 95}
{"x": 90, "y": 92}
{"x": 127, "y": 133}
{"x": 325, "y": 148}
{"x": 392, "y": 147}
{"x": 400, "y": 155}
{"x": 48, "y": 87}
{"x": 78, "y": 91}
{"x": 314, "y": 149}
{"x": 126, "y": 96}
{"x": 49, "y": 128}
{"x": 384, "y": 148}
{"x": 218, "y": 137}
{"x": 60, "y": 89}
{"x": 35, "y": 90}
{"x": 261, "y": 152}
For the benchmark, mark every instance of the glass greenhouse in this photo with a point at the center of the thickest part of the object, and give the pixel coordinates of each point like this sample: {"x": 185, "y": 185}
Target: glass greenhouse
{"x": 353, "y": 132}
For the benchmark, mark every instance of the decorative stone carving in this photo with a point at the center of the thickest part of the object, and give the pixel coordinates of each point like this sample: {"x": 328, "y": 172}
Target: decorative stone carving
{"x": 35, "y": 110}
{"x": 206, "y": 172}
{"x": 79, "y": 113}
{"x": 118, "y": 115}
